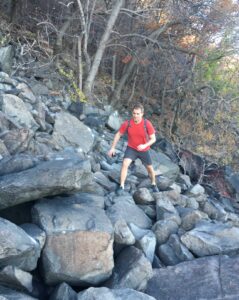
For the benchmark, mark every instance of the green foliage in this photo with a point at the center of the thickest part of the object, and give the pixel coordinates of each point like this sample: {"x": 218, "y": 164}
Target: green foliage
{"x": 220, "y": 72}
{"x": 76, "y": 94}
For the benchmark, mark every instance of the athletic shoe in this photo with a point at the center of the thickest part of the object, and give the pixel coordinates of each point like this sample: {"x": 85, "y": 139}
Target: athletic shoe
{"x": 120, "y": 191}
{"x": 154, "y": 188}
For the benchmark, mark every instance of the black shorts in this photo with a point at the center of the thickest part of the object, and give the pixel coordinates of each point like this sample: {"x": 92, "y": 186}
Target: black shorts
{"x": 144, "y": 156}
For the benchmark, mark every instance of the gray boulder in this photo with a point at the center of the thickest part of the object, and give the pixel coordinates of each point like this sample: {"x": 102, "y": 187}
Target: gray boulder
{"x": 132, "y": 270}
{"x": 207, "y": 278}
{"x": 17, "y": 248}
{"x": 47, "y": 179}
{"x": 104, "y": 293}
{"x": 211, "y": 238}
{"x": 79, "y": 243}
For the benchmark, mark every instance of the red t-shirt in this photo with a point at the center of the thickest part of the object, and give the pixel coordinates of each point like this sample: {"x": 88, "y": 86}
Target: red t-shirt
{"x": 137, "y": 134}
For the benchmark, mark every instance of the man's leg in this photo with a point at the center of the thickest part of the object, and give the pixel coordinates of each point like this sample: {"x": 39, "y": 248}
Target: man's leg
{"x": 151, "y": 173}
{"x": 124, "y": 171}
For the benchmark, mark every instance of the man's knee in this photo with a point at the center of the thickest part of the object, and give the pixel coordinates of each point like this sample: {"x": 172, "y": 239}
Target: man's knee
{"x": 126, "y": 163}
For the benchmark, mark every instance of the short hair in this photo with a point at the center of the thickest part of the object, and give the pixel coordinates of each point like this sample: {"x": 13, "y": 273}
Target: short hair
{"x": 138, "y": 106}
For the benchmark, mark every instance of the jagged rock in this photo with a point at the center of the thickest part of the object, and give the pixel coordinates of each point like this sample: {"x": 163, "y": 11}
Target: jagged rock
{"x": 35, "y": 232}
{"x": 207, "y": 278}
{"x": 132, "y": 270}
{"x": 46, "y": 179}
{"x": 17, "y": 248}
{"x": 190, "y": 217}
{"x": 17, "y": 140}
{"x": 163, "y": 229}
{"x": 211, "y": 238}
{"x": 147, "y": 244}
{"x": 122, "y": 233}
{"x": 79, "y": 242}
{"x": 166, "y": 210}
{"x": 63, "y": 292}
{"x": 6, "y": 58}
{"x": 143, "y": 196}
{"x": 102, "y": 180}
{"x": 114, "y": 121}
{"x": 15, "y": 278}
{"x": 131, "y": 213}
{"x": 174, "y": 252}
{"x": 69, "y": 131}
{"x": 214, "y": 209}
{"x": 3, "y": 150}
{"x": 149, "y": 210}
{"x": 26, "y": 93}
{"x": 164, "y": 166}
{"x": 16, "y": 163}
{"x": 17, "y": 112}
{"x": 9, "y": 294}
{"x": 104, "y": 293}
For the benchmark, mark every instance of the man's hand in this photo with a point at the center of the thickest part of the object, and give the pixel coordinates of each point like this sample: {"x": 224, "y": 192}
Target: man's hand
{"x": 142, "y": 147}
{"x": 111, "y": 152}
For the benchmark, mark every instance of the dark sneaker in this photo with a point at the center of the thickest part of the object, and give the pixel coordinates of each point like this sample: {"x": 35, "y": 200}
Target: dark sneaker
{"x": 120, "y": 191}
{"x": 154, "y": 188}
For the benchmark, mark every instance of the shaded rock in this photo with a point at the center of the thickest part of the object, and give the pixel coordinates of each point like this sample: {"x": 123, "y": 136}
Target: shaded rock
{"x": 63, "y": 292}
{"x": 35, "y": 232}
{"x": 17, "y": 248}
{"x": 16, "y": 279}
{"x": 174, "y": 252}
{"x": 164, "y": 166}
{"x": 132, "y": 270}
{"x": 102, "y": 180}
{"x": 190, "y": 217}
{"x": 16, "y": 164}
{"x": 166, "y": 210}
{"x": 143, "y": 196}
{"x": 163, "y": 229}
{"x": 192, "y": 164}
{"x": 9, "y": 294}
{"x": 17, "y": 140}
{"x": 147, "y": 244}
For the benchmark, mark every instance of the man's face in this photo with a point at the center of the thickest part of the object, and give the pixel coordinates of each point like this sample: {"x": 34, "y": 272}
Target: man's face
{"x": 137, "y": 115}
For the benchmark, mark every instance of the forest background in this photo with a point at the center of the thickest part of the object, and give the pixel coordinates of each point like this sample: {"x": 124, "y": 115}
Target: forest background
{"x": 178, "y": 57}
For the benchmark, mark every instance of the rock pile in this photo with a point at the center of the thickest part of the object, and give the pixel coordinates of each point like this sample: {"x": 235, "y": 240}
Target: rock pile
{"x": 66, "y": 234}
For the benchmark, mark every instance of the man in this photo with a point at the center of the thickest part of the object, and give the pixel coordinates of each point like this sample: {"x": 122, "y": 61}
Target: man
{"x": 139, "y": 141}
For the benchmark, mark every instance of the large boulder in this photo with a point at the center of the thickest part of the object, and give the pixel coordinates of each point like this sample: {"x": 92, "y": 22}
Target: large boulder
{"x": 69, "y": 131}
{"x": 211, "y": 238}
{"x": 79, "y": 243}
{"x": 47, "y": 179}
{"x": 206, "y": 278}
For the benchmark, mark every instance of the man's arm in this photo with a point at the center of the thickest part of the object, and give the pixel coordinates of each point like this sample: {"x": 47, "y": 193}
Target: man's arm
{"x": 151, "y": 141}
{"x": 114, "y": 143}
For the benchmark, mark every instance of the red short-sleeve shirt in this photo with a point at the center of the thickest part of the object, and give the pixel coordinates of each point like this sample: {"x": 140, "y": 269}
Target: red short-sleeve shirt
{"x": 137, "y": 134}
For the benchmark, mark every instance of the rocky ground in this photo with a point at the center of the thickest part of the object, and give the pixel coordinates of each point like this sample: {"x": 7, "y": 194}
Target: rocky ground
{"x": 66, "y": 234}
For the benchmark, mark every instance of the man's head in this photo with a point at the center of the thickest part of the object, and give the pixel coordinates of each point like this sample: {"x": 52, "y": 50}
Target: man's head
{"x": 138, "y": 112}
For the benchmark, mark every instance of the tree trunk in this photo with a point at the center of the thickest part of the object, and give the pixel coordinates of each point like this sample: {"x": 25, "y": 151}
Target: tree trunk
{"x": 154, "y": 35}
{"x": 100, "y": 51}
